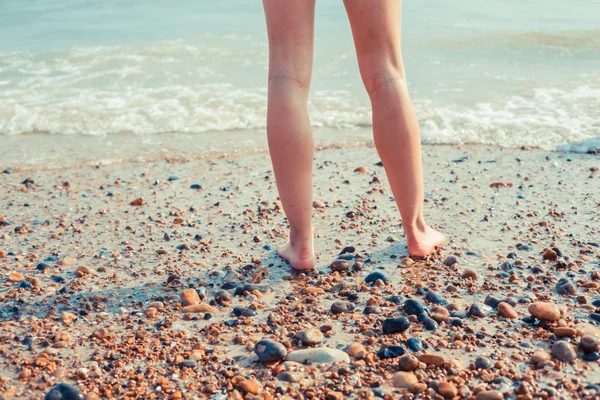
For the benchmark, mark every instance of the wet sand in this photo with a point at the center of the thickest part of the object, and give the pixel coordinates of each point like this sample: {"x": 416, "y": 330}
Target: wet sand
{"x": 95, "y": 288}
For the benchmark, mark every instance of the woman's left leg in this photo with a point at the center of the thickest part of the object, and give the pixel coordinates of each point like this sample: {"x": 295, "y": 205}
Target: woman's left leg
{"x": 290, "y": 28}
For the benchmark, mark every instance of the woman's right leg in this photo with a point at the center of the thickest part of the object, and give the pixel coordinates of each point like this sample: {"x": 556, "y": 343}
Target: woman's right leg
{"x": 376, "y": 30}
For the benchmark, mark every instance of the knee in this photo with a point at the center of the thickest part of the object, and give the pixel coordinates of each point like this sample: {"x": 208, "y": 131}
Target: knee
{"x": 289, "y": 80}
{"x": 382, "y": 79}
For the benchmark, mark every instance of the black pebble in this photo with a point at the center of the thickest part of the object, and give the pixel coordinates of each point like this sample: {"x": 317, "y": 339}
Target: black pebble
{"x": 414, "y": 307}
{"x": 64, "y": 391}
{"x": 414, "y": 344}
{"x": 395, "y": 325}
{"x": 374, "y": 276}
{"x": 243, "y": 312}
{"x": 595, "y": 356}
{"x": 390, "y": 351}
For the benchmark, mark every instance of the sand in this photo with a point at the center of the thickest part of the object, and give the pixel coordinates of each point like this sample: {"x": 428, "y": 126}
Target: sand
{"x": 91, "y": 287}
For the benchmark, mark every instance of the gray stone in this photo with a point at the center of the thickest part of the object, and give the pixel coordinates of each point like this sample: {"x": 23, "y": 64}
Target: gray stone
{"x": 318, "y": 355}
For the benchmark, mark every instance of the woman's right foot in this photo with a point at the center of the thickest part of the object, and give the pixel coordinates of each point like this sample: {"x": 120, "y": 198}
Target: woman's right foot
{"x": 302, "y": 259}
{"x": 422, "y": 242}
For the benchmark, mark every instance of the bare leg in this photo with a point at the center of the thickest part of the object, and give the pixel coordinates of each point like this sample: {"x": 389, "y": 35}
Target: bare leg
{"x": 376, "y": 31}
{"x": 290, "y": 27}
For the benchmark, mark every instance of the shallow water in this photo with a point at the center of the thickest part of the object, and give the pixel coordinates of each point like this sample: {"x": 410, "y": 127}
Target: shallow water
{"x": 511, "y": 73}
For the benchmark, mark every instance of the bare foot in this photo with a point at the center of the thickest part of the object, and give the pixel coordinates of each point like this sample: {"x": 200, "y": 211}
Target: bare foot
{"x": 422, "y": 243}
{"x": 302, "y": 259}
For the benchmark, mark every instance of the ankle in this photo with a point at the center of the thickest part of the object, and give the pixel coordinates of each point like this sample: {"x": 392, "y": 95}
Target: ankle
{"x": 301, "y": 239}
{"x": 415, "y": 229}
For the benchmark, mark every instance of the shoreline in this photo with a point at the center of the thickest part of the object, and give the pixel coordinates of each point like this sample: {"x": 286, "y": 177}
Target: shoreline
{"x": 119, "y": 319}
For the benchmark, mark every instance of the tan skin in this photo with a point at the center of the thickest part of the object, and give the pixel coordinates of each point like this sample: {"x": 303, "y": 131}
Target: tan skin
{"x": 376, "y": 31}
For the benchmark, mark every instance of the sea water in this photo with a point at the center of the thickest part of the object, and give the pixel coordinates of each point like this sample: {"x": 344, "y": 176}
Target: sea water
{"x": 120, "y": 78}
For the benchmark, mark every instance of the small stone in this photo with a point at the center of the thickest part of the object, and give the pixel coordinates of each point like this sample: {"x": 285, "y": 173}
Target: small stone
{"x": 493, "y": 300}
{"x": 375, "y": 276}
{"x": 563, "y": 331}
{"x": 414, "y": 344}
{"x": 507, "y": 311}
{"x": 403, "y": 380}
{"x": 550, "y": 255}
{"x": 356, "y": 350}
{"x": 311, "y": 337}
{"x": 340, "y": 307}
{"x": 447, "y": 389}
{"x": 413, "y": 307}
{"x": 318, "y": 355}
{"x": 544, "y": 311}
{"x": 589, "y": 344}
{"x": 269, "y": 351}
{"x": 137, "y": 202}
{"x": 243, "y": 312}
{"x": 470, "y": 274}
{"x": 318, "y": 204}
{"x": 483, "y": 363}
{"x": 564, "y": 287}
{"x": 340, "y": 265}
{"x": 489, "y": 395}
{"x": 251, "y": 386}
{"x": 450, "y": 261}
{"x": 539, "y": 356}
{"x": 395, "y": 325}
{"x": 432, "y": 359}
{"x": 390, "y": 351}
{"x": 563, "y": 351}
{"x": 361, "y": 170}
{"x": 478, "y": 310}
{"x": 331, "y": 395}
{"x": 101, "y": 333}
{"x": 434, "y": 298}
{"x": 64, "y": 391}
{"x": 590, "y": 357}
{"x": 188, "y": 364}
{"x": 196, "y": 308}
{"x": 189, "y": 297}
{"x": 82, "y": 271}
{"x": 408, "y": 362}
{"x": 440, "y": 314}
{"x": 428, "y": 323}
{"x": 223, "y": 297}
{"x": 15, "y": 277}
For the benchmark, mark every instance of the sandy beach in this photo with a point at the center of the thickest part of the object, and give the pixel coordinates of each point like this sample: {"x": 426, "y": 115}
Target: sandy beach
{"x": 160, "y": 280}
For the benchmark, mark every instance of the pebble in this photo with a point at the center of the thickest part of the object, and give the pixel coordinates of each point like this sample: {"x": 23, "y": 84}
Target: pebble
{"x": 311, "y": 337}
{"x": 251, "y": 386}
{"x": 489, "y": 395}
{"x": 318, "y": 355}
{"x": 428, "y": 323}
{"x": 196, "y": 308}
{"x": 493, "y": 300}
{"x": 15, "y": 277}
{"x": 395, "y": 325}
{"x": 390, "y": 351}
{"x": 483, "y": 363}
{"x": 550, "y": 255}
{"x": 340, "y": 307}
{"x": 64, "y": 391}
{"x": 478, "y": 310}
{"x": 539, "y": 356}
{"x": 507, "y": 311}
{"x": 470, "y": 274}
{"x": 403, "y": 380}
{"x": 414, "y": 344}
{"x": 595, "y": 356}
{"x": 589, "y": 344}
{"x": 544, "y": 311}
{"x": 450, "y": 261}
{"x": 269, "y": 351}
{"x": 356, "y": 350}
{"x": 340, "y": 265}
{"x": 440, "y": 314}
{"x": 447, "y": 389}
{"x": 565, "y": 287}
{"x": 435, "y": 298}
{"x": 432, "y": 359}
{"x": 223, "y": 297}
{"x": 413, "y": 307}
{"x": 375, "y": 276}
{"x": 563, "y": 331}
{"x": 189, "y": 297}
{"x": 563, "y": 351}
{"x": 408, "y": 362}
{"x": 243, "y": 312}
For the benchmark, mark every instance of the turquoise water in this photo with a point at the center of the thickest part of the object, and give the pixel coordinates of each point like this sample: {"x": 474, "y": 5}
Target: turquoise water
{"x": 510, "y": 73}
